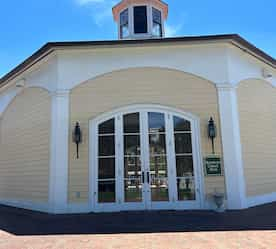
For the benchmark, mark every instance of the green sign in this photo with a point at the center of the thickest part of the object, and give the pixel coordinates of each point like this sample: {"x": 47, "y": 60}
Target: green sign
{"x": 213, "y": 165}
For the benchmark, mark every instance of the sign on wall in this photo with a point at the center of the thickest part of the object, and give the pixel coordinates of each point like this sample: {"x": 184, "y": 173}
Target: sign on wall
{"x": 212, "y": 165}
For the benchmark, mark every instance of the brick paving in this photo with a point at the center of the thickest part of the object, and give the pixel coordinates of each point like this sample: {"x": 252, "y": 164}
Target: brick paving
{"x": 249, "y": 229}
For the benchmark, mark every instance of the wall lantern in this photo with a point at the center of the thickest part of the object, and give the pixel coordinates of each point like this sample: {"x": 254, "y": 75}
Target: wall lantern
{"x": 212, "y": 132}
{"x": 77, "y": 137}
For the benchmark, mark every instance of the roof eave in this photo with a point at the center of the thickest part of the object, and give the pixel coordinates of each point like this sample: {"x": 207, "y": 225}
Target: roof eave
{"x": 52, "y": 46}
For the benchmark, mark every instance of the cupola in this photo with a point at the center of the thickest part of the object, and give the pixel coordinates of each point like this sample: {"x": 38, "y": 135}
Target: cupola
{"x": 140, "y": 19}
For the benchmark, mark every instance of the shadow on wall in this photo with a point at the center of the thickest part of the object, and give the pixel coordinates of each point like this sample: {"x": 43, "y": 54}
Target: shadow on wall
{"x": 22, "y": 222}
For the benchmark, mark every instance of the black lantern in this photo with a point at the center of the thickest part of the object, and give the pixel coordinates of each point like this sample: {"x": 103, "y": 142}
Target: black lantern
{"x": 212, "y": 132}
{"x": 77, "y": 137}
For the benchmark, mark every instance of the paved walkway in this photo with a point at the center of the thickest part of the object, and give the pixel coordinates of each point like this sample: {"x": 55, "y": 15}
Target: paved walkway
{"x": 252, "y": 228}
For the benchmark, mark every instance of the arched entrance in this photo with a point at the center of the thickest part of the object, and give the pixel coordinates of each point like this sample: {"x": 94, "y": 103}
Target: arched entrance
{"x": 145, "y": 158}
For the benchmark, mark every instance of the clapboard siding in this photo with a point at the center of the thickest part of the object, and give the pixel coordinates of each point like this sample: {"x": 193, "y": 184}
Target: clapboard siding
{"x": 257, "y": 111}
{"x": 138, "y": 86}
{"x": 24, "y": 154}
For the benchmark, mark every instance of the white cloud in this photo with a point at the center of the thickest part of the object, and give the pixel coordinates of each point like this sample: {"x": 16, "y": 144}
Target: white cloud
{"x": 101, "y": 10}
{"x": 84, "y": 2}
{"x": 172, "y": 30}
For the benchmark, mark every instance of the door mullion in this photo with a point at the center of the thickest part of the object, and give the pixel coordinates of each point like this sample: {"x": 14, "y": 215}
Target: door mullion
{"x": 171, "y": 158}
{"x": 196, "y": 164}
{"x": 96, "y": 168}
{"x": 145, "y": 156}
{"x": 119, "y": 153}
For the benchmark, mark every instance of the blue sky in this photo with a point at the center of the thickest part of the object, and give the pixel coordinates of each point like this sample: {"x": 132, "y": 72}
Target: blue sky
{"x": 26, "y": 25}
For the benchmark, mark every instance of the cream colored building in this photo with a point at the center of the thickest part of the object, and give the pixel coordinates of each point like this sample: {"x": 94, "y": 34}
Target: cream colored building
{"x": 143, "y": 104}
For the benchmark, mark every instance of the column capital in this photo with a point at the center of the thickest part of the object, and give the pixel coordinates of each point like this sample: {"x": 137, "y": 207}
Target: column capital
{"x": 60, "y": 93}
{"x": 226, "y": 86}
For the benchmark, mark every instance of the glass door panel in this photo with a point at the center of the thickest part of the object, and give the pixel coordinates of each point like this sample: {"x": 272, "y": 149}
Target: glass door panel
{"x": 145, "y": 161}
{"x": 106, "y": 162}
{"x": 158, "y": 177}
{"x": 132, "y": 158}
{"x": 184, "y": 159}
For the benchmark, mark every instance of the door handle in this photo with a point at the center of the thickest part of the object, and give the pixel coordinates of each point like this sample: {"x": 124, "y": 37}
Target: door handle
{"x": 148, "y": 177}
{"x": 143, "y": 177}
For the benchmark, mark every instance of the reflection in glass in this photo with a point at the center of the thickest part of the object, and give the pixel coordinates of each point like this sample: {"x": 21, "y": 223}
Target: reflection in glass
{"x": 132, "y": 144}
{"x": 156, "y": 122}
{"x": 184, "y": 166}
{"x": 133, "y": 190}
{"x": 181, "y": 124}
{"x": 157, "y": 143}
{"x": 132, "y": 160}
{"x": 184, "y": 162}
{"x": 158, "y": 159}
{"x": 183, "y": 143}
{"x": 186, "y": 189}
{"x": 106, "y": 168}
{"x": 157, "y": 29}
{"x": 124, "y": 30}
{"x": 106, "y": 191}
{"x": 158, "y": 166}
{"x": 159, "y": 189}
{"x": 131, "y": 123}
{"x": 132, "y": 167}
{"x": 107, "y": 127}
{"x": 106, "y": 145}
{"x": 157, "y": 22}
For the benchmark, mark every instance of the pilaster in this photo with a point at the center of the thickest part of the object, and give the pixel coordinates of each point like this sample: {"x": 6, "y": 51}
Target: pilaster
{"x": 231, "y": 143}
{"x": 58, "y": 179}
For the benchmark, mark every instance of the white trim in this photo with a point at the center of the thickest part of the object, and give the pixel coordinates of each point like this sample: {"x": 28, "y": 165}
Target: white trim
{"x": 171, "y": 158}
{"x": 133, "y": 108}
{"x": 149, "y": 19}
{"x": 119, "y": 150}
{"x": 225, "y": 86}
{"x": 231, "y": 143}
{"x": 35, "y": 206}
{"x": 92, "y": 149}
{"x": 199, "y": 162}
{"x": 260, "y": 199}
{"x": 58, "y": 178}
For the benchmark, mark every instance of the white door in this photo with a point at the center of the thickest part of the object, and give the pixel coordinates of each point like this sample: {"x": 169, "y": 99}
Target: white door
{"x": 145, "y": 160}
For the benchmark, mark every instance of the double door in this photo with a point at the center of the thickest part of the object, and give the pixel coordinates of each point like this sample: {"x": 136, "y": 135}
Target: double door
{"x": 145, "y": 160}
